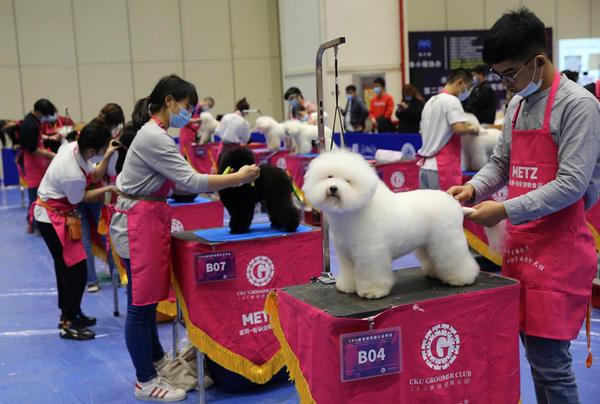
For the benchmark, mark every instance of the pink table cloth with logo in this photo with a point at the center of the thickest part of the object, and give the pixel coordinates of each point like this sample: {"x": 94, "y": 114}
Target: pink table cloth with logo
{"x": 202, "y": 213}
{"x": 264, "y": 155}
{"x": 461, "y": 348}
{"x": 399, "y": 176}
{"x": 222, "y": 286}
{"x": 296, "y": 165}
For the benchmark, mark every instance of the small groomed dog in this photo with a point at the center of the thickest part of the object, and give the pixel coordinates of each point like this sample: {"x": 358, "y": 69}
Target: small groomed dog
{"x": 274, "y": 131}
{"x": 371, "y": 226}
{"x": 273, "y": 187}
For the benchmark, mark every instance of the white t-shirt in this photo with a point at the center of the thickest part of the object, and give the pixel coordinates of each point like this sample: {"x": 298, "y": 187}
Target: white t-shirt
{"x": 233, "y": 129}
{"x": 439, "y": 113}
{"x": 64, "y": 178}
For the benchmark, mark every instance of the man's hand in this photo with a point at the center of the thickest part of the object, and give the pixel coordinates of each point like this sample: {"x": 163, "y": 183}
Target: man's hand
{"x": 462, "y": 193}
{"x": 488, "y": 213}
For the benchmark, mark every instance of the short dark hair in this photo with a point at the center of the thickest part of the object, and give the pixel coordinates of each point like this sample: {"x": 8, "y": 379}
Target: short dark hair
{"x": 380, "y": 81}
{"x": 458, "y": 74}
{"x": 351, "y": 87}
{"x": 171, "y": 85}
{"x": 517, "y": 35}
{"x": 211, "y": 100}
{"x": 481, "y": 69}
{"x": 93, "y": 136}
{"x": 291, "y": 92}
{"x": 44, "y": 107}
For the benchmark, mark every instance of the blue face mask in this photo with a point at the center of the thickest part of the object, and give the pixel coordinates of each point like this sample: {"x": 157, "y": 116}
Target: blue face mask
{"x": 377, "y": 90}
{"x": 293, "y": 102}
{"x": 408, "y": 97}
{"x": 531, "y": 87}
{"x": 464, "y": 95}
{"x": 180, "y": 119}
{"x": 349, "y": 97}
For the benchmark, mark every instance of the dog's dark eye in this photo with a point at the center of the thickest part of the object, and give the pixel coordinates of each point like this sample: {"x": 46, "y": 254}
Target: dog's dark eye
{"x": 348, "y": 181}
{"x": 330, "y": 176}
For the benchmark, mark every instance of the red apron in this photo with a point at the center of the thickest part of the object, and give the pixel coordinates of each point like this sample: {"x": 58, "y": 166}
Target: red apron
{"x": 149, "y": 234}
{"x": 448, "y": 161}
{"x": 554, "y": 257}
{"x": 35, "y": 166}
{"x": 598, "y": 90}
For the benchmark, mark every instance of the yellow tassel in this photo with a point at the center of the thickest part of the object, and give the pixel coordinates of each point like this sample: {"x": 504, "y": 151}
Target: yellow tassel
{"x": 230, "y": 360}
{"x": 482, "y": 248}
{"x": 291, "y": 361}
{"x": 167, "y": 308}
{"x": 595, "y": 235}
{"x": 99, "y": 252}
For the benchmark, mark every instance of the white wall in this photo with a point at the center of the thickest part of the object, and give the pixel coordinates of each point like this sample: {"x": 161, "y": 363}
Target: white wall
{"x": 372, "y": 31}
{"x": 85, "y": 53}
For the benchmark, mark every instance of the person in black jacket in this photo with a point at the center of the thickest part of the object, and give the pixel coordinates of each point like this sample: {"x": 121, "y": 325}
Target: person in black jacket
{"x": 594, "y": 88}
{"x": 355, "y": 113}
{"x": 482, "y": 101}
{"x": 409, "y": 110}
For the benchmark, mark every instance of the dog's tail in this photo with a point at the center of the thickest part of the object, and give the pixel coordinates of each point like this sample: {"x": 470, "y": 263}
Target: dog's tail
{"x": 467, "y": 211}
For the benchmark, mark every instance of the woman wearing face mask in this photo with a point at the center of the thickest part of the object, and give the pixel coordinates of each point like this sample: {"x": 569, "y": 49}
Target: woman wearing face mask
{"x": 443, "y": 123}
{"x": 62, "y": 188}
{"x": 294, "y": 97}
{"x": 141, "y": 227}
{"x": 111, "y": 116}
{"x": 36, "y": 157}
{"x": 409, "y": 110}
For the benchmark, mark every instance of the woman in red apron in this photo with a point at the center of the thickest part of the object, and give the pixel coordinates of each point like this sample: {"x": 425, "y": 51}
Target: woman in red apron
{"x": 141, "y": 226}
{"x": 61, "y": 190}
{"x": 550, "y": 250}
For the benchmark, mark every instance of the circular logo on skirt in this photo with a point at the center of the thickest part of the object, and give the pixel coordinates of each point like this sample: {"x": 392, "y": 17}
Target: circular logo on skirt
{"x": 260, "y": 270}
{"x": 440, "y": 346}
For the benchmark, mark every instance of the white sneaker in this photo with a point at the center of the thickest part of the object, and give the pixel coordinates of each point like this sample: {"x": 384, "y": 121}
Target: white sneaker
{"x": 158, "y": 389}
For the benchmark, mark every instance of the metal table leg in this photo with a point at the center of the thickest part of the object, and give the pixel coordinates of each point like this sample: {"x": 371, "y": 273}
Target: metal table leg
{"x": 200, "y": 364}
{"x": 115, "y": 286}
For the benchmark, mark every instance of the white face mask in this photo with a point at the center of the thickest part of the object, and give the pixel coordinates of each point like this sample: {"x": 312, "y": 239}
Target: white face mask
{"x": 116, "y": 131}
{"x": 464, "y": 95}
{"x": 532, "y": 87}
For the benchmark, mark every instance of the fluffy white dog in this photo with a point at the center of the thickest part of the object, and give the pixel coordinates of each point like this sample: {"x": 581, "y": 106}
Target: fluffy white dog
{"x": 207, "y": 128}
{"x": 303, "y": 135}
{"x": 273, "y": 131}
{"x": 477, "y": 150}
{"x": 371, "y": 226}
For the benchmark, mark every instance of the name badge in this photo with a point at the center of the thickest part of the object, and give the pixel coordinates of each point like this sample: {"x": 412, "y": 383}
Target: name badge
{"x": 367, "y": 354}
{"x": 214, "y": 267}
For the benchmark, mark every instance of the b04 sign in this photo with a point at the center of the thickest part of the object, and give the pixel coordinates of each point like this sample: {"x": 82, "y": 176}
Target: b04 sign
{"x": 372, "y": 353}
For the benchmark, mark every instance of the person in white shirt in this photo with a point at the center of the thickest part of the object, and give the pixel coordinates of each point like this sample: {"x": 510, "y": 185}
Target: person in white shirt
{"x": 443, "y": 122}
{"x": 62, "y": 188}
{"x": 234, "y": 131}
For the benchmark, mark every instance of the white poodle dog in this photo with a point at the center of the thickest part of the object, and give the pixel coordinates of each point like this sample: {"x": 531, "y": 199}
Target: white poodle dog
{"x": 477, "y": 150}
{"x": 207, "y": 128}
{"x": 273, "y": 131}
{"x": 371, "y": 226}
{"x": 303, "y": 135}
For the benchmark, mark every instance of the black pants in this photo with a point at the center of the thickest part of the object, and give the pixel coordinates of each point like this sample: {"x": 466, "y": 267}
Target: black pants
{"x": 70, "y": 281}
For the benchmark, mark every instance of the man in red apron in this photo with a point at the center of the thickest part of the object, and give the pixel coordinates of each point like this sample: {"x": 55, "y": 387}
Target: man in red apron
{"x": 443, "y": 122}
{"x": 549, "y": 155}
{"x": 36, "y": 157}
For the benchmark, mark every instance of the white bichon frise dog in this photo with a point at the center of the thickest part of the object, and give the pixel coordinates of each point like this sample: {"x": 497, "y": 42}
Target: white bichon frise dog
{"x": 208, "y": 127}
{"x": 371, "y": 226}
{"x": 303, "y": 135}
{"x": 274, "y": 131}
{"x": 477, "y": 150}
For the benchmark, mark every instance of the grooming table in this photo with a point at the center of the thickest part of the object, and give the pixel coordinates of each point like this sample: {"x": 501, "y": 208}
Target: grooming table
{"x": 204, "y": 157}
{"x": 222, "y": 281}
{"x": 399, "y": 176}
{"x": 426, "y": 342}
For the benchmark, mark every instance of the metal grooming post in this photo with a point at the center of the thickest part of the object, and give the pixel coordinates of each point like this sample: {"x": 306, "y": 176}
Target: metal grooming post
{"x": 326, "y": 276}
{"x": 115, "y": 287}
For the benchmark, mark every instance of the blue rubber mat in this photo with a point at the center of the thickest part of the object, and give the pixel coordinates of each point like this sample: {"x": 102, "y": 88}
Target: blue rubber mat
{"x": 199, "y": 199}
{"x": 261, "y": 230}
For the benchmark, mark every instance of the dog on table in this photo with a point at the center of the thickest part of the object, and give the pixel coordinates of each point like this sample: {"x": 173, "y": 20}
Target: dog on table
{"x": 273, "y": 188}
{"x": 274, "y": 131}
{"x": 371, "y": 226}
{"x": 304, "y": 136}
{"x": 208, "y": 126}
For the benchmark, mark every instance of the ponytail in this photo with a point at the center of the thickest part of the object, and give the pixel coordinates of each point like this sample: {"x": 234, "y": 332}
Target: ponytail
{"x": 141, "y": 113}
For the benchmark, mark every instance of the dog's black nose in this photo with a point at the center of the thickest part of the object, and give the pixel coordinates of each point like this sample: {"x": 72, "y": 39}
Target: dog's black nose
{"x": 333, "y": 189}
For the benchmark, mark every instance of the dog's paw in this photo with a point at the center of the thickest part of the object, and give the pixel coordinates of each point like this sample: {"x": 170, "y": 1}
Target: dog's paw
{"x": 345, "y": 286}
{"x": 373, "y": 293}
{"x": 457, "y": 281}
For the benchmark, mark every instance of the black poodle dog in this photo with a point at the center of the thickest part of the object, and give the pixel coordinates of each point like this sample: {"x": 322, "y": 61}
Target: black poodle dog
{"x": 273, "y": 188}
